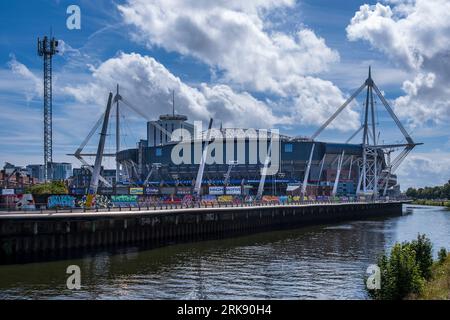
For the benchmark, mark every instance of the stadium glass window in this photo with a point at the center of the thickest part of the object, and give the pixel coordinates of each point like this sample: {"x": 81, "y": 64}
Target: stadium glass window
{"x": 158, "y": 152}
{"x": 288, "y": 147}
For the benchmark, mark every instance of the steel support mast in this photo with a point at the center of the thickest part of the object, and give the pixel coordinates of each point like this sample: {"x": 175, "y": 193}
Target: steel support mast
{"x": 201, "y": 167}
{"x": 101, "y": 147}
{"x": 116, "y": 100}
{"x": 372, "y": 179}
{"x": 47, "y": 48}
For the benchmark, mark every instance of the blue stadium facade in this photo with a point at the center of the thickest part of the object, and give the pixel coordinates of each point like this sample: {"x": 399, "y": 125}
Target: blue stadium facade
{"x": 151, "y": 163}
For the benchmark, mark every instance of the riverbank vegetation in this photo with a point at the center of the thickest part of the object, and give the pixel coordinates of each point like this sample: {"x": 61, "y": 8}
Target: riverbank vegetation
{"x": 431, "y": 196}
{"x": 438, "y": 288}
{"x": 430, "y": 193}
{"x": 409, "y": 272}
{"x": 439, "y": 203}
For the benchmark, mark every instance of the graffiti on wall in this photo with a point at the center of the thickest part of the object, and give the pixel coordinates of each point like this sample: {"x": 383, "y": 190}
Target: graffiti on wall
{"x": 225, "y": 199}
{"x": 98, "y": 201}
{"x": 228, "y": 199}
{"x": 270, "y": 199}
{"x": 124, "y": 201}
{"x": 284, "y": 199}
{"x": 249, "y": 199}
{"x": 62, "y": 201}
{"x": 18, "y": 202}
{"x": 24, "y": 202}
{"x": 171, "y": 199}
{"x": 209, "y": 200}
{"x": 149, "y": 201}
{"x": 188, "y": 200}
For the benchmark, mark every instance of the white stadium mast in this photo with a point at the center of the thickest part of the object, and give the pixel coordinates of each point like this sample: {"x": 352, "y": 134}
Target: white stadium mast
{"x": 372, "y": 179}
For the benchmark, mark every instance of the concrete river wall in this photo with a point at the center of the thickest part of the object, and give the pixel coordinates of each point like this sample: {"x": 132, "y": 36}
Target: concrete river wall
{"x": 46, "y": 236}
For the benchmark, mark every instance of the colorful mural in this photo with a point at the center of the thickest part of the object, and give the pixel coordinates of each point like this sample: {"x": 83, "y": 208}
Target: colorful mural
{"x": 149, "y": 201}
{"x": 25, "y": 202}
{"x": 171, "y": 199}
{"x": 283, "y": 199}
{"x": 188, "y": 200}
{"x": 270, "y": 199}
{"x": 98, "y": 201}
{"x": 209, "y": 200}
{"x": 124, "y": 201}
{"x": 61, "y": 201}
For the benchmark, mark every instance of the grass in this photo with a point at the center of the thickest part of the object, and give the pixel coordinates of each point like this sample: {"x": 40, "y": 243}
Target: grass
{"x": 432, "y": 203}
{"x": 438, "y": 288}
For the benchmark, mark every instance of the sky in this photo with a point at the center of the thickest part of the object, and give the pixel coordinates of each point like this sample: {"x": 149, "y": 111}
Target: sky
{"x": 285, "y": 64}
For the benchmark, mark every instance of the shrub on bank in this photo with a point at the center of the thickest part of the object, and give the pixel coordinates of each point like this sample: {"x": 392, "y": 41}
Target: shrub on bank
{"x": 400, "y": 274}
{"x": 439, "y": 203}
{"x": 442, "y": 255}
{"x": 438, "y": 288}
{"x": 424, "y": 255}
{"x": 405, "y": 270}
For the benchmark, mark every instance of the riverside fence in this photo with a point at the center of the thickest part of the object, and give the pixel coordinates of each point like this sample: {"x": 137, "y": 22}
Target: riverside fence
{"x": 71, "y": 203}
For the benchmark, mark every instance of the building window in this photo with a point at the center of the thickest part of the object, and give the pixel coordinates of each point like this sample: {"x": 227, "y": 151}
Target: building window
{"x": 288, "y": 147}
{"x": 158, "y": 152}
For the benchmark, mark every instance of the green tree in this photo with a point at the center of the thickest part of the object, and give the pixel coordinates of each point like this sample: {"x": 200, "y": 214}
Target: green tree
{"x": 446, "y": 191}
{"x": 400, "y": 274}
{"x": 53, "y": 187}
{"x": 442, "y": 255}
{"x": 403, "y": 273}
{"x": 411, "y": 192}
{"x": 424, "y": 254}
{"x": 429, "y": 193}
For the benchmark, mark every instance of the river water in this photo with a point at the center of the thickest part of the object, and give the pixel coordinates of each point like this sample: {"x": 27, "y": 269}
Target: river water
{"x": 319, "y": 262}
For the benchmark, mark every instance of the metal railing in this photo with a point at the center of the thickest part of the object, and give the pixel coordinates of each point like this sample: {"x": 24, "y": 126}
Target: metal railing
{"x": 42, "y": 207}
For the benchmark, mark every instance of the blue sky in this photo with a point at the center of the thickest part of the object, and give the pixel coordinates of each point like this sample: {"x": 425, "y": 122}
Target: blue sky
{"x": 285, "y": 64}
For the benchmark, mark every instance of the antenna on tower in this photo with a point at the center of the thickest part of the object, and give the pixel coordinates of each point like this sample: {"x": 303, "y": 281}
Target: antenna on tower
{"x": 47, "y": 48}
{"x": 173, "y": 102}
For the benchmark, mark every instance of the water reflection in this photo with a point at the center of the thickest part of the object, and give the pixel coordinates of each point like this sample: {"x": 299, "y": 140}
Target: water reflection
{"x": 321, "y": 262}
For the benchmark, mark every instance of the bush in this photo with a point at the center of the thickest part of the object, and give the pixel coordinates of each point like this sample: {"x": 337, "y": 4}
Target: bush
{"x": 442, "y": 255}
{"x": 400, "y": 274}
{"x": 405, "y": 270}
{"x": 53, "y": 187}
{"x": 424, "y": 255}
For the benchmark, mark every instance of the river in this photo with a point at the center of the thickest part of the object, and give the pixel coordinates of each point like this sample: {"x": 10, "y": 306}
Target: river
{"x": 318, "y": 262}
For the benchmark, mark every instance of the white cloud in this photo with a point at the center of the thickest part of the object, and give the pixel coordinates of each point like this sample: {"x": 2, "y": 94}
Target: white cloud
{"x": 66, "y": 49}
{"x": 416, "y": 36}
{"x": 424, "y": 169}
{"x": 31, "y": 84}
{"x": 148, "y": 85}
{"x": 232, "y": 36}
{"x": 315, "y": 100}
{"x": 235, "y": 37}
{"x": 377, "y": 25}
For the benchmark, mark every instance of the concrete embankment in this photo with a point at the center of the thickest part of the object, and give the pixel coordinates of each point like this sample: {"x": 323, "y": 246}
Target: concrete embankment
{"x": 47, "y": 236}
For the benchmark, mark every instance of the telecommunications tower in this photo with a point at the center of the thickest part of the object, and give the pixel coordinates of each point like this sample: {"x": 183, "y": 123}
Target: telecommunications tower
{"x": 46, "y": 49}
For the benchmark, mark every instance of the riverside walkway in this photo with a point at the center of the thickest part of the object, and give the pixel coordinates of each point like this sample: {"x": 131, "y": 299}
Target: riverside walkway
{"x": 175, "y": 208}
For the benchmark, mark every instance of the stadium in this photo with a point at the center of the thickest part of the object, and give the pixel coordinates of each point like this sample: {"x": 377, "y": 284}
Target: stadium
{"x": 329, "y": 166}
